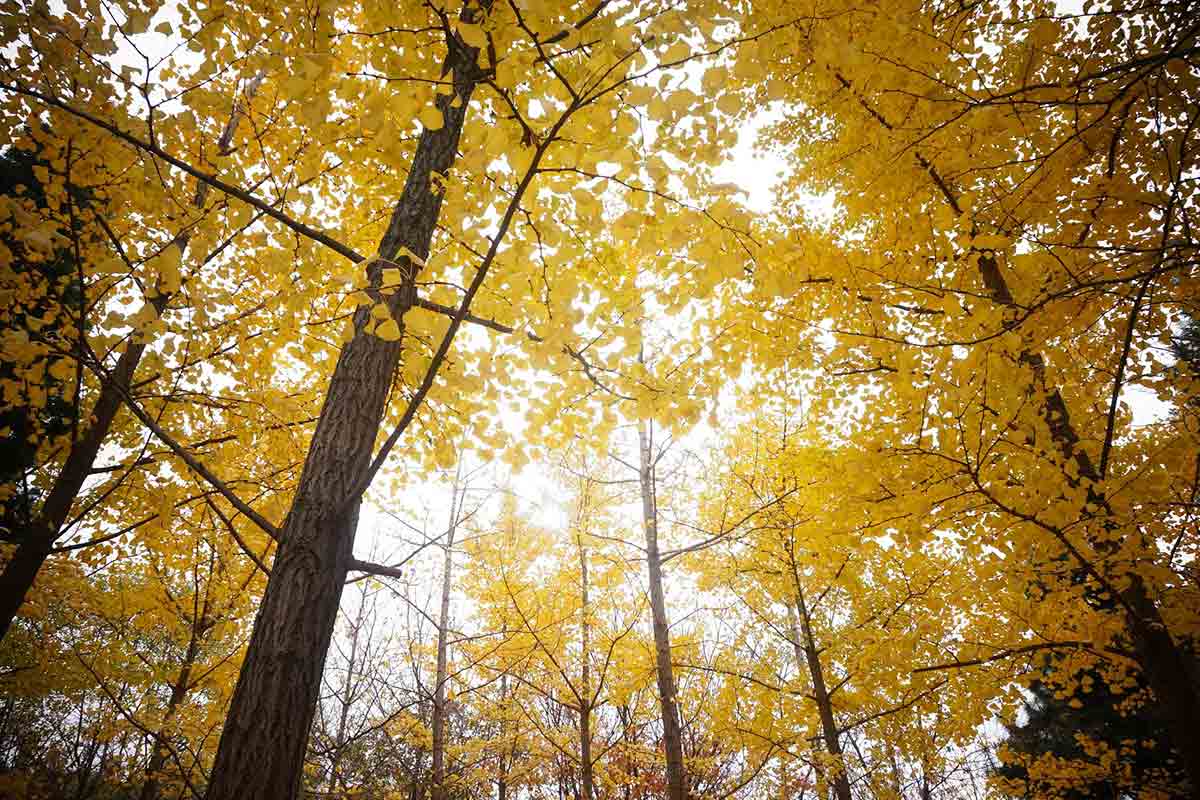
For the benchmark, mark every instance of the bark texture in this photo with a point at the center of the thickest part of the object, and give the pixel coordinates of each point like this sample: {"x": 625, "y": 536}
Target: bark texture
{"x": 261, "y": 753}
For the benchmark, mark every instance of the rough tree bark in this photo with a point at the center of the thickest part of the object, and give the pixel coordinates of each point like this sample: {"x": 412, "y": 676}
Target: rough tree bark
{"x": 261, "y": 753}
{"x": 36, "y": 540}
{"x": 677, "y": 788}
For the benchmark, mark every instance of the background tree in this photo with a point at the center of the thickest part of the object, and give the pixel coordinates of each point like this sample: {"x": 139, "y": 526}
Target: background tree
{"x": 40, "y": 281}
{"x": 1096, "y": 743}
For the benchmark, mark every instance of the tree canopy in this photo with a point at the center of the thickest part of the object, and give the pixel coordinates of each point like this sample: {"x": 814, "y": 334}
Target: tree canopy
{"x": 424, "y": 400}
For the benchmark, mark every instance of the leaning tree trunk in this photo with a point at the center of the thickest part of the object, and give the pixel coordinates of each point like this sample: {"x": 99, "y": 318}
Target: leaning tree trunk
{"x": 672, "y": 737}
{"x": 35, "y": 541}
{"x": 1171, "y": 673}
{"x": 261, "y": 753}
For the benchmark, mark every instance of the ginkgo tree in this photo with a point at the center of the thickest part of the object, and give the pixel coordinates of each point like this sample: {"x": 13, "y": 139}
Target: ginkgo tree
{"x": 830, "y": 606}
{"x": 1010, "y": 263}
{"x": 529, "y": 94}
{"x": 309, "y": 245}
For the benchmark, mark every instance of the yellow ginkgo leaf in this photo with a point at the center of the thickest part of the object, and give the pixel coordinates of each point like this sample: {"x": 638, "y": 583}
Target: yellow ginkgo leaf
{"x": 729, "y": 103}
{"x": 388, "y": 330}
{"x": 473, "y": 35}
{"x": 431, "y": 118}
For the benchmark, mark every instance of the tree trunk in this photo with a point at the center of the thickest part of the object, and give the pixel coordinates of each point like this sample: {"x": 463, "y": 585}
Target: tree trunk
{"x": 585, "y": 688}
{"x": 1170, "y": 676}
{"x": 438, "y": 789}
{"x": 672, "y": 738}
{"x": 36, "y": 540}
{"x": 1171, "y": 673}
{"x": 261, "y": 753}
{"x": 505, "y": 761}
{"x": 807, "y": 654}
{"x": 179, "y": 690}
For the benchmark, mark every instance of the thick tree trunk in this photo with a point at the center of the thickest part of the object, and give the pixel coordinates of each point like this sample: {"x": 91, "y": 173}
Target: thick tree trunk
{"x": 808, "y": 655}
{"x": 37, "y": 539}
{"x": 261, "y": 753}
{"x": 672, "y": 738}
{"x": 1169, "y": 673}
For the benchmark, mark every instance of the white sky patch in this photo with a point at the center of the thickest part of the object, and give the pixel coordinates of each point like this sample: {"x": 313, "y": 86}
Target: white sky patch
{"x": 756, "y": 171}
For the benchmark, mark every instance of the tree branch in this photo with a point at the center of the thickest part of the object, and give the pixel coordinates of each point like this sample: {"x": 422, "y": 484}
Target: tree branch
{"x": 153, "y": 149}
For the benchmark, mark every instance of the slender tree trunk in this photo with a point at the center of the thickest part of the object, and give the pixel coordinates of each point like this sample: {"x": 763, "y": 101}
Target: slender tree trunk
{"x": 438, "y": 789}
{"x": 505, "y": 760}
{"x": 672, "y": 738}
{"x": 585, "y": 688}
{"x": 36, "y": 540}
{"x": 158, "y": 760}
{"x": 897, "y": 781}
{"x": 1173, "y": 675}
{"x": 807, "y": 654}
{"x": 623, "y": 715}
{"x": 261, "y": 753}
{"x": 346, "y": 699}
